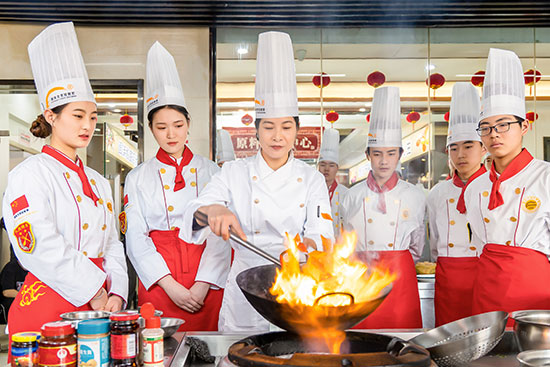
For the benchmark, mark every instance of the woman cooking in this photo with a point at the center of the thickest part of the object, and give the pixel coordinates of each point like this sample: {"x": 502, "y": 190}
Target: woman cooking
{"x": 266, "y": 195}
{"x": 59, "y": 213}
{"x": 171, "y": 272}
{"x": 508, "y": 207}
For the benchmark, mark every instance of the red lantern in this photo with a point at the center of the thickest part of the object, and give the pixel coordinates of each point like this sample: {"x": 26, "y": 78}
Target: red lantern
{"x": 376, "y": 79}
{"x": 435, "y": 81}
{"x": 317, "y": 80}
{"x": 531, "y": 77}
{"x": 247, "y": 119}
{"x": 368, "y": 117}
{"x": 531, "y": 116}
{"x": 126, "y": 120}
{"x": 332, "y": 117}
{"x": 413, "y": 117}
{"x": 446, "y": 116}
{"x": 478, "y": 78}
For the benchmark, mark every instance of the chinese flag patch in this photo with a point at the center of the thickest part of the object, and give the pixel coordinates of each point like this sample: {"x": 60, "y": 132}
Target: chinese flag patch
{"x": 125, "y": 199}
{"x": 25, "y": 237}
{"x": 19, "y": 204}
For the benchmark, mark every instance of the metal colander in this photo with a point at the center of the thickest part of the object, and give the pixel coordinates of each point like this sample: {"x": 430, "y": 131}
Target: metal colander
{"x": 465, "y": 340}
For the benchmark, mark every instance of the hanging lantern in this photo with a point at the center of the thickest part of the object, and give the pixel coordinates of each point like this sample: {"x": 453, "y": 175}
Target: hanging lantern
{"x": 368, "y": 117}
{"x": 446, "y": 116}
{"x": 376, "y": 79}
{"x": 247, "y": 119}
{"x": 531, "y": 77}
{"x": 413, "y": 117}
{"x": 332, "y": 117}
{"x": 478, "y": 78}
{"x": 435, "y": 81}
{"x": 531, "y": 116}
{"x": 126, "y": 120}
{"x": 317, "y": 80}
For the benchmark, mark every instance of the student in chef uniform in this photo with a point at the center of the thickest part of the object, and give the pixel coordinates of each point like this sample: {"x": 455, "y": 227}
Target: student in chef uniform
{"x": 388, "y": 215}
{"x": 172, "y": 273}
{"x": 224, "y": 147}
{"x": 450, "y": 235}
{"x": 266, "y": 195}
{"x": 59, "y": 213}
{"x": 509, "y": 206}
{"x": 328, "y": 166}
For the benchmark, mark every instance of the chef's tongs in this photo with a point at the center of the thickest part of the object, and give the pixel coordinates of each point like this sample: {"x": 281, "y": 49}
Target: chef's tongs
{"x": 232, "y": 235}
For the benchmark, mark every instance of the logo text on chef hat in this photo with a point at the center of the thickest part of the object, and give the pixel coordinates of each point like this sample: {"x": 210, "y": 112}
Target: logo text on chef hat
{"x": 57, "y": 94}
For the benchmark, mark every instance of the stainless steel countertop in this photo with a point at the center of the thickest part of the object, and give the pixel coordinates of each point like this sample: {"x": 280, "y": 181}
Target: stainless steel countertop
{"x": 504, "y": 355}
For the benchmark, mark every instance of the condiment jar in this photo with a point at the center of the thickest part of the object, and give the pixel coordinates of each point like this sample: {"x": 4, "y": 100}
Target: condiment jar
{"x": 24, "y": 349}
{"x": 124, "y": 339}
{"x": 94, "y": 343}
{"x": 57, "y": 346}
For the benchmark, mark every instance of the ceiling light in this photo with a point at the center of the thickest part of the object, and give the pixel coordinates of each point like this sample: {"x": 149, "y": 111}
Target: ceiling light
{"x": 362, "y": 109}
{"x": 430, "y": 67}
{"x": 117, "y": 110}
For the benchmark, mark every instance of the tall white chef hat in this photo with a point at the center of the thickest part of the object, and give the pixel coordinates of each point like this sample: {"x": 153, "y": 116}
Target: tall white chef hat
{"x": 385, "y": 120}
{"x": 224, "y": 146}
{"x": 163, "y": 81}
{"x": 58, "y": 68}
{"x": 275, "y": 93}
{"x": 464, "y": 115}
{"x": 503, "y": 86}
{"x": 330, "y": 146}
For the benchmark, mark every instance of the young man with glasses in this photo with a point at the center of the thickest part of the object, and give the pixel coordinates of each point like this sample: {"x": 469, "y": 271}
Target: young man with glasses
{"x": 450, "y": 237}
{"x": 508, "y": 207}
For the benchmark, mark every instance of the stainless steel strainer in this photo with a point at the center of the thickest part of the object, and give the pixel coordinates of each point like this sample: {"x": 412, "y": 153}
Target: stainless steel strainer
{"x": 464, "y": 340}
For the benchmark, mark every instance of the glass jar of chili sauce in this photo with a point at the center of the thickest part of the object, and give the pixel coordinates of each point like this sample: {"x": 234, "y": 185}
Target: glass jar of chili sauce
{"x": 57, "y": 346}
{"x": 124, "y": 339}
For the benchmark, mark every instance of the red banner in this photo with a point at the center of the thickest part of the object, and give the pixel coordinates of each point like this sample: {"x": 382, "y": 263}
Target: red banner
{"x": 245, "y": 143}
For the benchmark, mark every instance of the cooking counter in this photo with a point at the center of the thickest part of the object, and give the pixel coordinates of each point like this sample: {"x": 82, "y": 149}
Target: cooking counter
{"x": 504, "y": 355}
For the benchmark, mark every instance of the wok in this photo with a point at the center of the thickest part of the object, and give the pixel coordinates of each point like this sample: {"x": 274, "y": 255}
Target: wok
{"x": 256, "y": 282}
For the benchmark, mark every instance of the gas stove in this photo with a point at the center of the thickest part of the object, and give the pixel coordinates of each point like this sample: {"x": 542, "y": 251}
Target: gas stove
{"x": 359, "y": 350}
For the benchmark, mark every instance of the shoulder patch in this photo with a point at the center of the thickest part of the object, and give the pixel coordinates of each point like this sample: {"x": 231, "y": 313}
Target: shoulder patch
{"x": 19, "y": 205}
{"x": 25, "y": 237}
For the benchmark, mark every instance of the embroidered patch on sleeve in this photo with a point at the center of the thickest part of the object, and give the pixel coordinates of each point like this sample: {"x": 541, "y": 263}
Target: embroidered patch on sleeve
{"x": 19, "y": 205}
{"x": 122, "y": 221}
{"x": 25, "y": 237}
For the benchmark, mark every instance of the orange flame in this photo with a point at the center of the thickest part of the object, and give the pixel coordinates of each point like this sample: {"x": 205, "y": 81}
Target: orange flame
{"x": 329, "y": 279}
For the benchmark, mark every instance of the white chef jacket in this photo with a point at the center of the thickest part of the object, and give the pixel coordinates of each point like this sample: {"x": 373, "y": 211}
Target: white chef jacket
{"x": 67, "y": 228}
{"x": 449, "y": 232}
{"x": 523, "y": 220}
{"x": 267, "y": 204}
{"x": 335, "y": 204}
{"x": 401, "y": 228}
{"x": 153, "y": 205}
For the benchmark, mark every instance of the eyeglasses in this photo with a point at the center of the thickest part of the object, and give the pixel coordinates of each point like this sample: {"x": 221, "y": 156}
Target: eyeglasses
{"x": 499, "y": 128}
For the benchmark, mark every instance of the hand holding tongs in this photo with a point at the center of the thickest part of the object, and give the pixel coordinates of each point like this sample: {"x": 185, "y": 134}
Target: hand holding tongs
{"x": 232, "y": 235}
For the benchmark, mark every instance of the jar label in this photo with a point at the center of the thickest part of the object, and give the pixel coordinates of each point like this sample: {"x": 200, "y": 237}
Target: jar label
{"x": 123, "y": 346}
{"x": 27, "y": 357}
{"x": 55, "y": 356}
{"x": 93, "y": 352}
{"x": 153, "y": 351}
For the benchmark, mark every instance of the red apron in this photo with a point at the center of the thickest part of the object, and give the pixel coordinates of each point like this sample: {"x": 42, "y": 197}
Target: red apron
{"x": 454, "y": 287}
{"x": 511, "y": 279}
{"x": 37, "y": 304}
{"x": 401, "y": 308}
{"x": 183, "y": 261}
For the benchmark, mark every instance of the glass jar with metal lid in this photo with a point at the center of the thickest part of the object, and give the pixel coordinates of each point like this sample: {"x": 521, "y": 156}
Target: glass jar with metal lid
{"x": 124, "y": 339}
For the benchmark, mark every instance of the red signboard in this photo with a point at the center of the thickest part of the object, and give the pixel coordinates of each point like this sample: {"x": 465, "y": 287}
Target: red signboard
{"x": 245, "y": 143}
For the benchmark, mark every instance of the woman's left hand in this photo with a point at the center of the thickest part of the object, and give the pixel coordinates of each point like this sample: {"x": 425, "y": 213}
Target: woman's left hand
{"x": 114, "y": 303}
{"x": 310, "y": 243}
{"x": 200, "y": 290}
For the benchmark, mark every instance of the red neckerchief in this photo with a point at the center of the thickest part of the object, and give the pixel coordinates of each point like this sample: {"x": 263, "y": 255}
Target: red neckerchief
{"x": 171, "y": 161}
{"x": 461, "y": 205}
{"x": 389, "y": 185}
{"x": 78, "y": 168}
{"x": 517, "y": 164}
{"x": 331, "y": 189}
